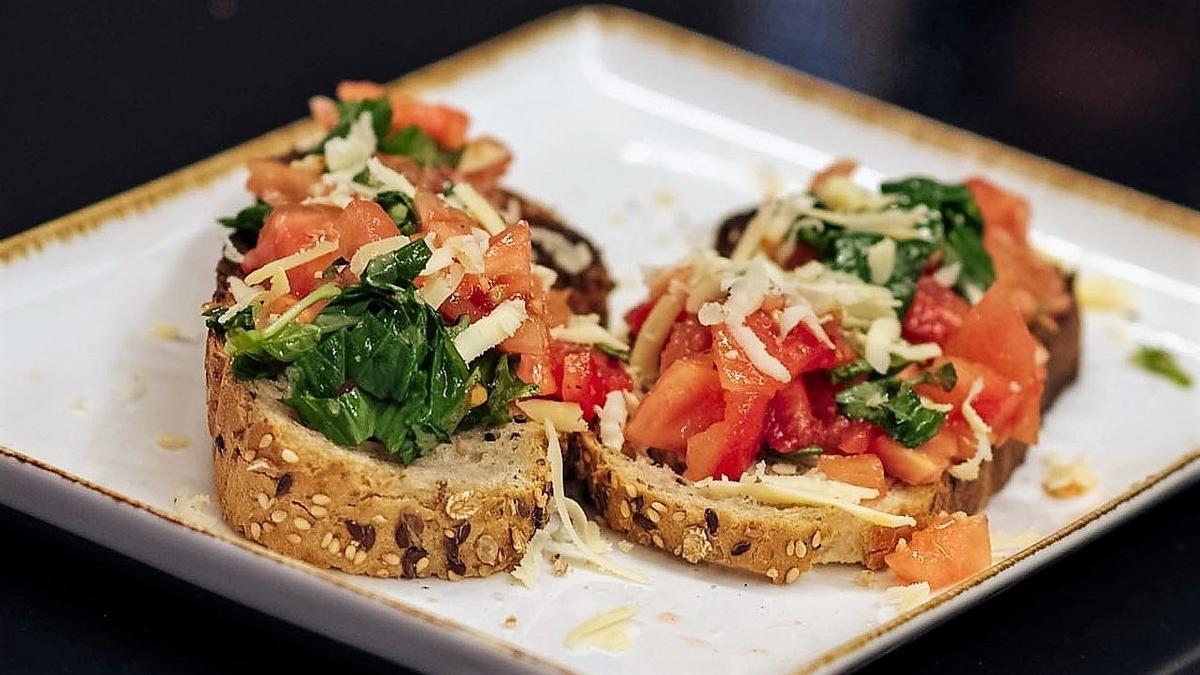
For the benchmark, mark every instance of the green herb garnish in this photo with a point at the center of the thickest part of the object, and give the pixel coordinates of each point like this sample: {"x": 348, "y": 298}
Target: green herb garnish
{"x": 249, "y": 219}
{"x": 893, "y": 404}
{"x": 1162, "y": 363}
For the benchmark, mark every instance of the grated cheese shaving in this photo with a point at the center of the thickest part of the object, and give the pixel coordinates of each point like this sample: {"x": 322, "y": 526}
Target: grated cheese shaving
{"x": 566, "y": 416}
{"x": 501, "y": 324}
{"x": 172, "y": 441}
{"x": 322, "y": 247}
{"x": 529, "y": 570}
{"x": 947, "y": 275}
{"x": 969, "y": 470}
{"x": 371, "y": 250}
{"x": 229, "y": 250}
{"x": 389, "y": 177}
{"x": 585, "y": 329}
{"x": 353, "y": 150}
{"x": 900, "y": 599}
{"x": 818, "y": 484}
{"x": 572, "y": 258}
{"x": 441, "y": 286}
{"x": 612, "y": 417}
{"x": 881, "y": 259}
{"x": 1066, "y": 479}
{"x": 643, "y": 360}
{"x": 776, "y": 494}
{"x": 1102, "y": 294}
{"x": 1005, "y": 544}
{"x": 605, "y": 630}
{"x": 280, "y": 286}
{"x": 895, "y": 223}
{"x": 165, "y": 330}
{"x": 479, "y": 208}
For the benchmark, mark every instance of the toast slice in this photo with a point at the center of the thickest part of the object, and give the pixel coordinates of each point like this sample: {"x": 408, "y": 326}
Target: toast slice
{"x": 467, "y": 509}
{"x": 653, "y": 506}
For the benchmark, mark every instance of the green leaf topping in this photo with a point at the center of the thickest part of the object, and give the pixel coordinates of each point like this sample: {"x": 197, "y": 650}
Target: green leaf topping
{"x": 1162, "y": 363}
{"x": 249, "y": 219}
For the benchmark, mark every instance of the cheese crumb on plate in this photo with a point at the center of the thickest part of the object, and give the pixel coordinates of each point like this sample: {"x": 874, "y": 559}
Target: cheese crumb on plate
{"x": 1067, "y": 479}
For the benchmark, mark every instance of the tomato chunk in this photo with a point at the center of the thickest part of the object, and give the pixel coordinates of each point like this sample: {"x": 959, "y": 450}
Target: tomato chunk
{"x": 586, "y": 376}
{"x": 687, "y": 338}
{"x": 911, "y": 466}
{"x": 358, "y": 90}
{"x": 444, "y": 124}
{"x": 935, "y": 313}
{"x": 277, "y": 183}
{"x": 686, "y": 399}
{"x": 729, "y": 447}
{"x": 862, "y": 470}
{"x": 440, "y": 218}
{"x": 291, "y": 228}
{"x": 362, "y": 222}
{"x": 949, "y": 549}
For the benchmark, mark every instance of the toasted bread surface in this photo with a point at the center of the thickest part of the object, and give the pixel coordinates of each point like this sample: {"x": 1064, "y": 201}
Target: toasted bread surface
{"x": 653, "y": 506}
{"x": 468, "y": 509}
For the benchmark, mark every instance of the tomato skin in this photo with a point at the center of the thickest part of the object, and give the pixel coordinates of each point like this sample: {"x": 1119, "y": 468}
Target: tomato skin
{"x": 440, "y": 218}
{"x": 996, "y": 402}
{"x": 469, "y": 300}
{"x": 358, "y": 90}
{"x": 277, "y": 183}
{"x": 911, "y": 466}
{"x": 994, "y": 334}
{"x": 948, "y": 549}
{"x": 636, "y": 317}
{"x": 862, "y": 470}
{"x": 291, "y": 228}
{"x": 362, "y": 222}
{"x": 558, "y": 306}
{"x": 686, "y": 399}
{"x": 687, "y": 338}
{"x": 444, "y": 124}
{"x": 508, "y": 262}
{"x": 791, "y": 424}
{"x": 729, "y": 447}
{"x": 586, "y": 376}
{"x": 935, "y": 313}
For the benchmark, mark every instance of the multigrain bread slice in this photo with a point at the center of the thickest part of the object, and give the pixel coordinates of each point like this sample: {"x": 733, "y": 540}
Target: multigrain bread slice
{"x": 468, "y": 509}
{"x": 655, "y": 507}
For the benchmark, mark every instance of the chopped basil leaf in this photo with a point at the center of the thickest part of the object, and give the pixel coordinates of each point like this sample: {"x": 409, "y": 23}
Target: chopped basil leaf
{"x": 244, "y": 318}
{"x": 621, "y": 355}
{"x": 250, "y": 219}
{"x": 849, "y": 254}
{"x": 965, "y": 247}
{"x": 401, "y": 209}
{"x": 1162, "y": 363}
{"x": 494, "y": 372}
{"x": 349, "y": 112}
{"x": 893, "y": 405}
{"x": 944, "y": 376}
{"x": 414, "y": 143}
{"x": 397, "y": 268}
{"x": 954, "y": 201}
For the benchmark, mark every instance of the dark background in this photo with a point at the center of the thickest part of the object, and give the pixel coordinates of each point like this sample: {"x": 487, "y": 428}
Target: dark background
{"x": 99, "y": 97}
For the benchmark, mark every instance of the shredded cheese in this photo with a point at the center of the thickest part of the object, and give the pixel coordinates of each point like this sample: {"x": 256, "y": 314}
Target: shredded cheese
{"x": 818, "y": 484}
{"x": 389, "y": 177}
{"x": 168, "y": 441}
{"x": 280, "y": 286}
{"x": 195, "y": 508}
{"x": 1067, "y": 479}
{"x": 883, "y": 332}
{"x": 881, "y": 259}
{"x": 530, "y": 568}
{"x": 230, "y": 251}
{"x": 566, "y": 416}
{"x": 585, "y": 329}
{"x": 776, "y": 494}
{"x": 1004, "y": 544}
{"x": 612, "y": 417}
{"x": 478, "y": 208}
{"x": 1102, "y": 294}
{"x": 900, "y": 599}
{"x": 895, "y": 223}
{"x": 501, "y": 324}
{"x": 643, "y": 360}
{"x": 572, "y": 258}
{"x": 322, "y": 247}
{"x": 371, "y": 250}
{"x": 969, "y": 470}
{"x": 352, "y": 151}
{"x": 165, "y": 330}
{"x": 947, "y": 275}
{"x": 605, "y": 630}
{"x": 438, "y": 288}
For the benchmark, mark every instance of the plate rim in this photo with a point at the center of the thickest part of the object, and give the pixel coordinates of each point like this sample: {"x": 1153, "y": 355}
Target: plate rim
{"x": 721, "y": 56}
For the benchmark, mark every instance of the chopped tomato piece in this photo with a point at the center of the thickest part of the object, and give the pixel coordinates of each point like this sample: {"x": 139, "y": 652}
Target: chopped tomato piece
{"x": 852, "y": 437}
{"x": 802, "y": 351}
{"x": 291, "y": 228}
{"x": 635, "y": 317}
{"x": 586, "y": 376}
{"x": 508, "y": 262}
{"x": 729, "y": 447}
{"x": 949, "y": 549}
{"x": 686, "y": 399}
{"x": 799, "y": 352}
{"x": 687, "y": 338}
{"x": 324, "y": 112}
{"x": 444, "y": 124}
{"x": 532, "y": 337}
{"x": 911, "y": 466}
{"x": 996, "y": 402}
{"x": 537, "y": 369}
{"x": 994, "y": 334}
{"x": 470, "y": 299}
{"x": 862, "y": 470}
{"x": 357, "y": 90}
{"x": 439, "y": 217}
{"x": 791, "y": 424}
{"x": 843, "y": 168}
{"x": 558, "y": 306}
{"x": 935, "y": 313}
{"x": 362, "y": 222}
{"x": 278, "y": 183}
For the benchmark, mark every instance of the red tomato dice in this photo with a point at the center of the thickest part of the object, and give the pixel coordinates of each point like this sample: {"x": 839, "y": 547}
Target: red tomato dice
{"x": 291, "y": 228}
{"x": 438, "y": 217}
{"x": 278, "y": 183}
{"x": 948, "y": 549}
{"x": 862, "y": 470}
{"x": 729, "y": 447}
{"x": 935, "y": 313}
{"x": 362, "y": 222}
{"x": 911, "y": 466}
{"x": 686, "y": 399}
{"x": 444, "y": 124}
{"x": 687, "y": 338}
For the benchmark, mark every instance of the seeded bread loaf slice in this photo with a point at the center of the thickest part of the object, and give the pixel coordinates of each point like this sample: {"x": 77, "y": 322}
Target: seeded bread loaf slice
{"x": 468, "y": 509}
{"x": 654, "y": 506}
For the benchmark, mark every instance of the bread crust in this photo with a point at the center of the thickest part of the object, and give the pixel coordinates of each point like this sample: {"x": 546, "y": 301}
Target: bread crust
{"x": 654, "y": 507}
{"x": 291, "y": 490}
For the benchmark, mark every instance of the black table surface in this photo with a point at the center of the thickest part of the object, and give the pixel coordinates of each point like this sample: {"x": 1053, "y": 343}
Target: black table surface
{"x": 100, "y": 97}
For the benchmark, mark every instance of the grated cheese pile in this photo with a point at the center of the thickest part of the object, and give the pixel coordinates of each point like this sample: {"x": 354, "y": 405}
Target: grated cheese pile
{"x": 1067, "y": 479}
{"x": 605, "y": 630}
{"x": 900, "y": 599}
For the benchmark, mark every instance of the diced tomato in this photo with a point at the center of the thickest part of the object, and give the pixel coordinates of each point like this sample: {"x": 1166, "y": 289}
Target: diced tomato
{"x": 488, "y": 160}
{"x": 1030, "y": 283}
{"x": 558, "y": 306}
{"x": 324, "y": 112}
{"x": 635, "y": 317}
{"x": 278, "y": 183}
{"x": 862, "y": 470}
{"x": 729, "y": 447}
{"x": 446, "y": 125}
{"x": 935, "y": 313}
{"x": 586, "y": 376}
{"x": 508, "y": 262}
{"x": 362, "y": 222}
{"x": 291, "y": 228}
{"x": 852, "y": 437}
{"x": 791, "y": 424}
{"x": 949, "y": 549}
{"x": 802, "y": 351}
{"x": 994, "y": 334}
{"x": 911, "y": 466}
{"x": 436, "y": 216}
{"x": 687, "y": 338}
{"x": 686, "y": 399}
{"x": 470, "y": 299}
{"x": 996, "y": 402}
{"x": 532, "y": 337}
{"x": 537, "y": 369}
{"x": 948, "y": 444}
{"x": 799, "y": 352}
{"x": 357, "y": 90}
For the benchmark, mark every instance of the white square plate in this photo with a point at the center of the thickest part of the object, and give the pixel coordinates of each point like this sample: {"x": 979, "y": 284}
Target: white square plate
{"x": 644, "y": 135}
